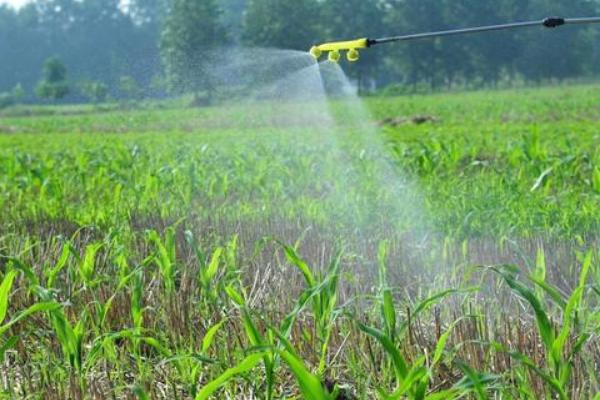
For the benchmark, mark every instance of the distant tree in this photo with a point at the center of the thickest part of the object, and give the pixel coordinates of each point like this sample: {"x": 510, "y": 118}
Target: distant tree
{"x": 13, "y": 97}
{"x": 419, "y": 61}
{"x": 347, "y": 17}
{"x": 158, "y": 84}
{"x": 18, "y": 93}
{"x": 88, "y": 34}
{"x": 6, "y": 100}
{"x": 54, "y": 85}
{"x": 558, "y": 53}
{"x": 191, "y": 30}
{"x": 95, "y": 91}
{"x": 233, "y": 17}
{"x": 285, "y": 24}
{"x": 129, "y": 88}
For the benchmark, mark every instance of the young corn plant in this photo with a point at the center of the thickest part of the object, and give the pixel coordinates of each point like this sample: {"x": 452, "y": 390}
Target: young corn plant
{"x": 319, "y": 296}
{"x": 70, "y": 337}
{"x": 310, "y": 384}
{"x": 209, "y": 269}
{"x": 165, "y": 257}
{"x": 562, "y": 343}
{"x": 323, "y": 302}
{"x": 412, "y": 379}
{"x": 255, "y": 338}
{"x": 13, "y": 269}
{"x": 243, "y": 367}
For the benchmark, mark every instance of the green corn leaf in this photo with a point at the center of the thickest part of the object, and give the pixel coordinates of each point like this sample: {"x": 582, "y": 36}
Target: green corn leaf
{"x": 165, "y": 257}
{"x": 526, "y": 361}
{"x": 441, "y": 344}
{"x": 568, "y": 319}
{"x": 381, "y": 256}
{"x": 210, "y": 335}
{"x": 157, "y": 345}
{"x": 389, "y": 313}
{"x": 38, "y": 307}
{"x": 596, "y": 179}
{"x": 256, "y": 339}
{"x": 542, "y": 320}
{"x": 235, "y": 296}
{"x": 87, "y": 266}
{"x": 585, "y": 269}
{"x": 65, "y": 335}
{"x": 303, "y": 299}
{"x": 400, "y": 366}
{"x": 293, "y": 258}
{"x": 579, "y": 343}
{"x": 540, "y": 265}
{"x": 213, "y": 266}
{"x": 137, "y": 315}
{"x": 102, "y": 342}
{"x": 412, "y": 384}
{"x": 388, "y": 310}
{"x": 475, "y": 381}
{"x": 432, "y": 300}
{"x": 246, "y": 365}
{"x": 26, "y": 270}
{"x": 5, "y": 288}
{"x": 170, "y": 243}
{"x": 189, "y": 238}
{"x": 560, "y": 341}
{"x": 551, "y": 291}
{"x": 310, "y": 385}
{"x": 60, "y": 264}
{"x": 445, "y": 394}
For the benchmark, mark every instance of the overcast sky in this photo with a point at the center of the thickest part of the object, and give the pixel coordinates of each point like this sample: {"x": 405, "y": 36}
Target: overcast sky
{"x": 16, "y": 3}
{"x": 19, "y": 3}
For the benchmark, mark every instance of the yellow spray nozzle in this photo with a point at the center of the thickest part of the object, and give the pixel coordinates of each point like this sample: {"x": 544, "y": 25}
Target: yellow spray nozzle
{"x": 316, "y": 52}
{"x": 352, "y": 55}
{"x": 334, "y": 56}
{"x": 334, "y": 49}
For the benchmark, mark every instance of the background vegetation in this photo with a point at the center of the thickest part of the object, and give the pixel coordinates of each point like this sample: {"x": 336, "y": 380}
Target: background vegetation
{"x": 105, "y": 41}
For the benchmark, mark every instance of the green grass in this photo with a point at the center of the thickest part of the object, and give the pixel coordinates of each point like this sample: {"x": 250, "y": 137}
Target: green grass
{"x": 301, "y": 250}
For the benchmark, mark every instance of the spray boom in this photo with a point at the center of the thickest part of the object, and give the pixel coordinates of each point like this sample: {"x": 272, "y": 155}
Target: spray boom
{"x": 352, "y": 46}
{"x": 334, "y": 48}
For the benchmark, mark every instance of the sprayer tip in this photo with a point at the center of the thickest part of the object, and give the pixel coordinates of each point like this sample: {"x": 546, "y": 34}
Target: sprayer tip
{"x": 316, "y": 52}
{"x": 353, "y": 55}
{"x": 334, "y": 56}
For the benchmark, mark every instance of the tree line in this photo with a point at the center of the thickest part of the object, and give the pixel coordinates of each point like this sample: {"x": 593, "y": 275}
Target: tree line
{"x": 96, "y": 49}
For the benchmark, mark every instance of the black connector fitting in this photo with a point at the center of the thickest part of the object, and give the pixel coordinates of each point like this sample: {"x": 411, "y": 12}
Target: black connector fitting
{"x": 554, "y": 22}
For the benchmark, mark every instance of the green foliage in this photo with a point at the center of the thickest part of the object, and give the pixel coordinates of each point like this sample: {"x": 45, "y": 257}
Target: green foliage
{"x": 6, "y": 100}
{"x": 129, "y": 88}
{"x": 15, "y": 96}
{"x": 89, "y": 34}
{"x": 559, "y": 358}
{"x": 191, "y": 31}
{"x": 18, "y": 93}
{"x": 96, "y": 92}
{"x": 244, "y": 366}
{"x": 134, "y": 263}
{"x": 54, "y": 84}
{"x": 285, "y": 24}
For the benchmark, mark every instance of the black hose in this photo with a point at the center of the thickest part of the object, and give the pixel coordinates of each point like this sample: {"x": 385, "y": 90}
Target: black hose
{"x": 551, "y": 22}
